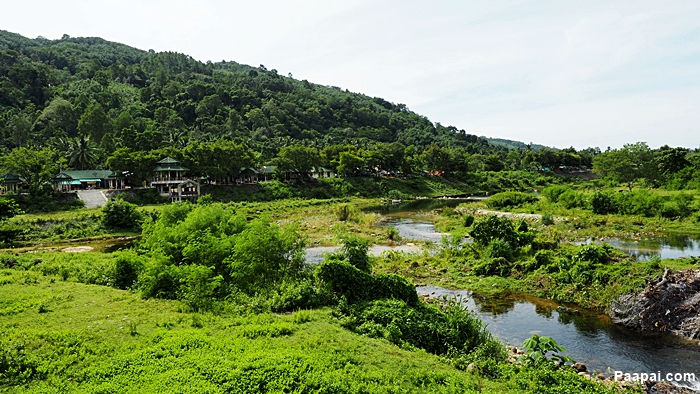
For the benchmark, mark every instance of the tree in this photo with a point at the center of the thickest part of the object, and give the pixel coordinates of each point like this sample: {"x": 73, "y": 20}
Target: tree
{"x": 95, "y": 123}
{"x": 35, "y": 166}
{"x": 297, "y": 158}
{"x": 626, "y": 165}
{"x": 82, "y": 153}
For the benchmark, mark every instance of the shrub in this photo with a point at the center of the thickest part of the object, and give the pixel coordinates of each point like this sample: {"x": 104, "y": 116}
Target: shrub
{"x": 552, "y": 193}
{"x": 603, "y": 204}
{"x": 537, "y": 348}
{"x": 593, "y": 253}
{"x": 494, "y": 227}
{"x": 468, "y": 220}
{"x": 571, "y": 199}
{"x": 547, "y": 219}
{"x": 120, "y": 214}
{"x": 344, "y": 212}
{"x": 127, "y": 266}
{"x": 345, "y": 280}
{"x": 392, "y": 234}
{"x": 499, "y": 248}
{"x": 510, "y": 199}
{"x": 452, "y": 331}
{"x": 355, "y": 252}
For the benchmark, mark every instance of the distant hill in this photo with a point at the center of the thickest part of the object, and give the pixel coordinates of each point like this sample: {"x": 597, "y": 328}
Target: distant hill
{"x": 123, "y": 97}
{"x": 510, "y": 145}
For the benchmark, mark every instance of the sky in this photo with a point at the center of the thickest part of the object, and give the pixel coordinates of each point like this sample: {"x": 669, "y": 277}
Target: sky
{"x": 558, "y": 73}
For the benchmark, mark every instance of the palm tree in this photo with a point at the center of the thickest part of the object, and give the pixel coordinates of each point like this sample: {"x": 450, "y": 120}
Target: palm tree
{"x": 81, "y": 152}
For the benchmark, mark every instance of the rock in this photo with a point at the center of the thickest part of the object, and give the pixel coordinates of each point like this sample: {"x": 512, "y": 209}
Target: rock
{"x": 579, "y": 367}
{"x": 665, "y": 388}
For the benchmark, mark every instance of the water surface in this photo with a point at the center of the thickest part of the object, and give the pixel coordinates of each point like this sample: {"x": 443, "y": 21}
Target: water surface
{"x": 589, "y": 337}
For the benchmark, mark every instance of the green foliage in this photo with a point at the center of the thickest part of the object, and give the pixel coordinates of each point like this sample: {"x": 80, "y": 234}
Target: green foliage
{"x": 8, "y": 208}
{"x": 552, "y": 193}
{"x": 120, "y": 214}
{"x": 494, "y": 227}
{"x": 603, "y": 203}
{"x": 35, "y": 166}
{"x": 452, "y": 331}
{"x": 537, "y": 348}
{"x": 499, "y": 248}
{"x": 467, "y": 220}
{"x": 354, "y": 285}
{"x": 127, "y": 267}
{"x": 510, "y": 200}
{"x": 344, "y": 212}
{"x": 392, "y": 234}
{"x": 547, "y": 219}
{"x": 354, "y": 251}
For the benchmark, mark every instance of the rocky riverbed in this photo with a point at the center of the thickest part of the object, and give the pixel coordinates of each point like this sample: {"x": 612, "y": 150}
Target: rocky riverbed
{"x": 670, "y": 305}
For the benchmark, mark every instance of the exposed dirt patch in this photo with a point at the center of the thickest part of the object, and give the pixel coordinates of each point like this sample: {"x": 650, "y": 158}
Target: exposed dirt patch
{"x": 78, "y": 249}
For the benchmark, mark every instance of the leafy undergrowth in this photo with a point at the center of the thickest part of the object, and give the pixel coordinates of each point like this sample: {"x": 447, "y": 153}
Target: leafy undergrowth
{"x": 66, "y": 337}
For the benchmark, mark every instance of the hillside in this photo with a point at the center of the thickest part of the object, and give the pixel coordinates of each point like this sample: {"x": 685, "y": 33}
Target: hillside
{"x": 126, "y": 97}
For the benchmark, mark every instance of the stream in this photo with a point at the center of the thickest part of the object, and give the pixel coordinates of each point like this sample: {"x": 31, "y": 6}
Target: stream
{"x": 589, "y": 337}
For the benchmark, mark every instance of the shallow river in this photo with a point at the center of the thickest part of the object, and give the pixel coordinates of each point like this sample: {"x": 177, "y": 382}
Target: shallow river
{"x": 589, "y": 337}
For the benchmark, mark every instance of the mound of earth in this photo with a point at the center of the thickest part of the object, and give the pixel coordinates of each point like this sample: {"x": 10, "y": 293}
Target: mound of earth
{"x": 670, "y": 305}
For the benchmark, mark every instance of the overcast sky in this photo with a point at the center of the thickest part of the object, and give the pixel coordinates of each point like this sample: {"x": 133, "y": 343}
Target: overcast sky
{"x": 558, "y": 73}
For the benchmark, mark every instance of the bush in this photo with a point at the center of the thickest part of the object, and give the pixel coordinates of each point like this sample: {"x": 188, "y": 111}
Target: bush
{"x": 571, "y": 199}
{"x": 355, "y": 252}
{"x": 603, "y": 204}
{"x": 494, "y": 227}
{"x": 510, "y": 199}
{"x": 547, "y": 219}
{"x": 593, "y": 253}
{"x": 552, "y": 193}
{"x": 127, "y": 266}
{"x": 468, "y": 220}
{"x": 452, "y": 331}
{"x": 499, "y": 248}
{"x": 120, "y": 214}
{"x": 345, "y": 280}
{"x": 392, "y": 234}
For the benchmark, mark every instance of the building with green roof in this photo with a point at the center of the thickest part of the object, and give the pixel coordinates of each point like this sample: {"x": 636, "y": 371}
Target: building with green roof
{"x": 68, "y": 180}
{"x": 171, "y": 182}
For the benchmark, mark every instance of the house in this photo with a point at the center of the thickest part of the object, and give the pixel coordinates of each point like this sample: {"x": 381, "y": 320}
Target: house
{"x": 266, "y": 173}
{"x": 170, "y": 181}
{"x": 11, "y": 183}
{"x": 248, "y": 175}
{"x": 322, "y": 172}
{"x": 87, "y": 179}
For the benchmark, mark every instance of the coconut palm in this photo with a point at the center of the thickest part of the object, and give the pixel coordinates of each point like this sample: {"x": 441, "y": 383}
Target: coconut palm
{"x": 82, "y": 152}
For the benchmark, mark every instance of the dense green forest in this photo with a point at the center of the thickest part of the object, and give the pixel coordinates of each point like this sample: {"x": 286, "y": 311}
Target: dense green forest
{"x": 89, "y": 100}
{"x": 86, "y": 102}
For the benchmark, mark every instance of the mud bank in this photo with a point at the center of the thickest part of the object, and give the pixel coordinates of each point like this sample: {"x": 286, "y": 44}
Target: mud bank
{"x": 670, "y": 305}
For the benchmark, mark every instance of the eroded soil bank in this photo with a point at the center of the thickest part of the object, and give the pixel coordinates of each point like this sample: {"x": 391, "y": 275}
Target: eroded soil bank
{"x": 670, "y": 305}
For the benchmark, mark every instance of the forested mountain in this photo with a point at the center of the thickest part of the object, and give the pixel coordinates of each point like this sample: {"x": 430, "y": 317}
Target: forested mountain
{"x": 85, "y": 102}
{"x": 510, "y": 144}
{"x": 125, "y": 97}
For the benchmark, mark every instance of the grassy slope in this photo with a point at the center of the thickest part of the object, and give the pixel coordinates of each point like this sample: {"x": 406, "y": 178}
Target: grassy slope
{"x": 63, "y": 337}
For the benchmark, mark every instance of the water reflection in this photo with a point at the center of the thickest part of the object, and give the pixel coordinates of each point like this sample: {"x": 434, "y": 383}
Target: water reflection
{"x": 665, "y": 247}
{"x": 590, "y": 337}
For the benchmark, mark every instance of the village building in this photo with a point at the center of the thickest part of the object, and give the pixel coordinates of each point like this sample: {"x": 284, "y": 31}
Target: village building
{"x": 170, "y": 181}
{"x": 11, "y": 183}
{"x": 322, "y": 172}
{"x": 69, "y": 180}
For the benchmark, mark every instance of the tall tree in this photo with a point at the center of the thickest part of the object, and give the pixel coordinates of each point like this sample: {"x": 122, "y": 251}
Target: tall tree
{"x": 36, "y": 167}
{"x": 95, "y": 123}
